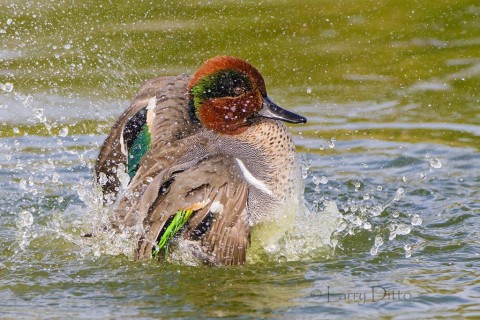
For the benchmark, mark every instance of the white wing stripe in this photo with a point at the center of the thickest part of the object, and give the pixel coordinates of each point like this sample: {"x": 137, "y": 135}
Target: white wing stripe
{"x": 259, "y": 184}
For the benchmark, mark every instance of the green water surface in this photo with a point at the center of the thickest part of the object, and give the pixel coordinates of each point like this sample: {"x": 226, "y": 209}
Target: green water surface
{"x": 391, "y": 90}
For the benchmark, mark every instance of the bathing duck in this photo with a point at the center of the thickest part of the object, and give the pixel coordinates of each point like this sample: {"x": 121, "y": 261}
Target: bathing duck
{"x": 206, "y": 159}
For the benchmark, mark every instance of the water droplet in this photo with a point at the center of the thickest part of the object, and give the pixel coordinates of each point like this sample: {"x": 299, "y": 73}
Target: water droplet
{"x": 23, "y": 184}
{"x": 395, "y": 214}
{"x": 24, "y": 219}
{"x": 366, "y": 196}
{"x": 282, "y": 259}
{"x": 392, "y": 235}
{"x": 355, "y": 220}
{"x": 309, "y": 90}
{"x": 333, "y": 242}
{"x": 306, "y": 164}
{"x": 9, "y": 21}
{"x": 367, "y": 226}
{"x": 319, "y": 180}
{"x": 3, "y": 31}
{"x": 357, "y": 184}
{"x": 304, "y": 173}
{"x": 378, "y": 241}
{"x": 408, "y": 250}
{"x": 7, "y": 87}
{"x": 404, "y": 179}
{"x": 423, "y": 176}
{"x": 435, "y": 163}
{"x": 379, "y": 188}
{"x": 331, "y": 143}
{"x": 341, "y": 227}
{"x": 63, "y": 132}
{"x": 416, "y": 220}
{"x": 55, "y": 177}
{"x": 402, "y": 229}
{"x": 376, "y": 211}
{"x": 38, "y": 113}
{"x": 16, "y": 130}
{"x": 68, "y": 46}
{"x": 399, "y": 194}
{"x": 122, "y": 175}
{"x": 102, "y": 179}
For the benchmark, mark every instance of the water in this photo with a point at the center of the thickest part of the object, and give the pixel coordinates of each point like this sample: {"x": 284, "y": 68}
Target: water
{"x": 391, "y": 93}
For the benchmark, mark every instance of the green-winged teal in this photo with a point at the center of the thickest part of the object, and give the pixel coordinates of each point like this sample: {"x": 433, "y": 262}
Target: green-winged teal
{"x": 208, "y": 159}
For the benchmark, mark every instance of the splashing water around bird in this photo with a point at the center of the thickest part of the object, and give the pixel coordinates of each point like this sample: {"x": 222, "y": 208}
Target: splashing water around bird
{"x": 315, "y": 229}
{"x": 302, "y": 234}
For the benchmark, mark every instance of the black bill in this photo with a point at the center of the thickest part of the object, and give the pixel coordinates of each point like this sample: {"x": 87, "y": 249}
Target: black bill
{"x": 272, "y": 111}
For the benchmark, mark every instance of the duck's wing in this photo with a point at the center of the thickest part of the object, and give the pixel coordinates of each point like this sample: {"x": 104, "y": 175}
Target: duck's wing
{"x": 203, "y": 201}
{"x": 158, "y": 115}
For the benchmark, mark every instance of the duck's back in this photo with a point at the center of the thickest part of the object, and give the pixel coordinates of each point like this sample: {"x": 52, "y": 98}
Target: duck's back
{"x": 161, "y": 104}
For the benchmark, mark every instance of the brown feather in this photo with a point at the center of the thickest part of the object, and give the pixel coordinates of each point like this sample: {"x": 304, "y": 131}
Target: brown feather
{"x": 226, "y": 62}
{"x": 171, "y": 122}
{"x": 223, "y": 236}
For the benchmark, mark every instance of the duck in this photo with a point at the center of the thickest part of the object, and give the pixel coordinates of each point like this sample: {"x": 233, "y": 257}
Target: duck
{"x": 206, "y": 158}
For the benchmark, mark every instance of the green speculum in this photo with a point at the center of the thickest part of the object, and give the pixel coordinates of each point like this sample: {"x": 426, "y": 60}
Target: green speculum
{"x": 139, "y": 147}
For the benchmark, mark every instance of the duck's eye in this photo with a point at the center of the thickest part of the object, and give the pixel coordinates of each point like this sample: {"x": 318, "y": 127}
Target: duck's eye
{"x": 224, "y": 83}
{"x": 238, "y": 91}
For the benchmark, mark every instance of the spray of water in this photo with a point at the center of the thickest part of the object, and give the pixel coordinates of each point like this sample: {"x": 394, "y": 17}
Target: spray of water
{"x": 310, "y": 230}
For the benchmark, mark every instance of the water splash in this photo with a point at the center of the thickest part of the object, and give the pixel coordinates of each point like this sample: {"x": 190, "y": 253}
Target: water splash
{"x": 317, "y": 232}
{"x": 364, "y": 215}
{"x": 317, "y": 181}
{"x": 408, "y": 250}
{"x": 63, "y": 132}
{"x": 302, "y": 231}
{"x": 435, "y": 163}
{"x": 102, "y": 238}
{"x": 378, "y": 243}
{"x": 331, "y": 143}
{"x": 6, "y": 87}
{"x": 398, "y": 229}
{"x": 24, "y": 223}
{"x": 305, "y": 166}
{"x": 416, "y": 220}
{"x": 309, "y": 236}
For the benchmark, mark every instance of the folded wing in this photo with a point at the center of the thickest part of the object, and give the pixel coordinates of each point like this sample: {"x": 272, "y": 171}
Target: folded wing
{"x": 157, "y": 116}
{"x": 211, "y": 187}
